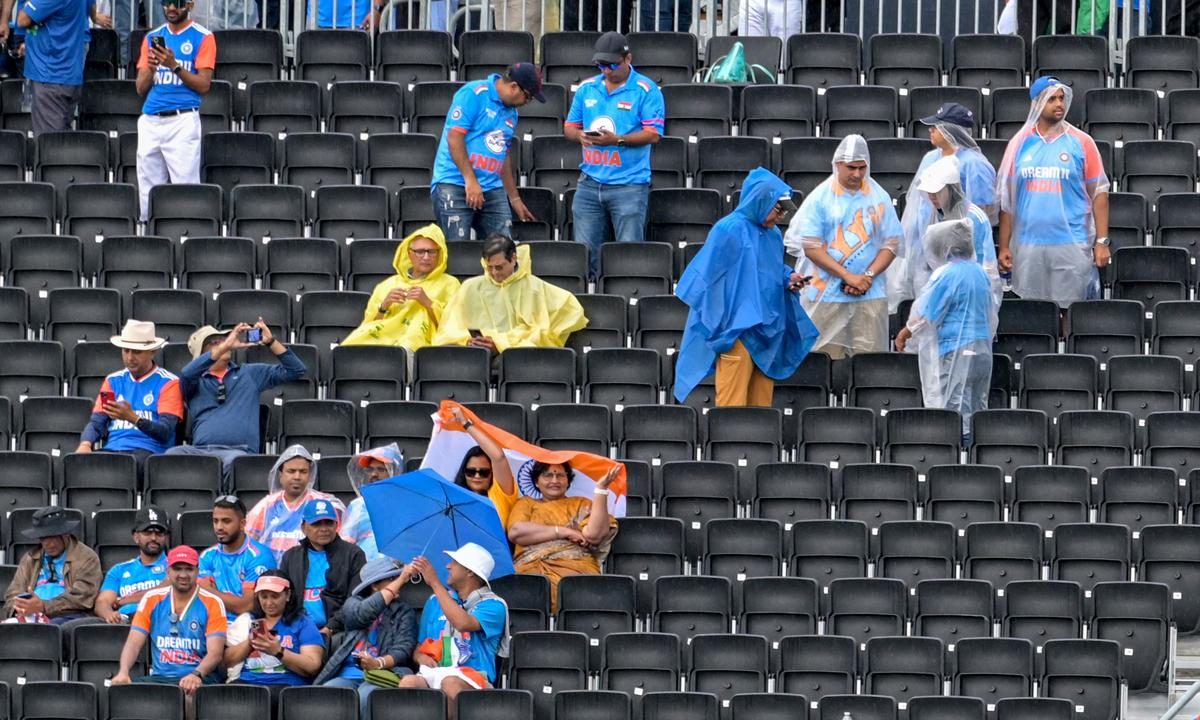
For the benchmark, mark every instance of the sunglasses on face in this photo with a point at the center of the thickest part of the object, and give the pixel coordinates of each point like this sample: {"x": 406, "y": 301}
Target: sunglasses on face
{"x": 174, "y": 3}
{"x": 607, "y": 66}
{"x": 478, "y": 472}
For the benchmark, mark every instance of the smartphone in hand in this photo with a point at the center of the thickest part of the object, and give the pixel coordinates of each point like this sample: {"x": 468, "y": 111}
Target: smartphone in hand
{"x": 106, "y": 397}
{"x": 158, "y": 42}
{"x": 254, "y": 336}
{"x": 475, "y": 333}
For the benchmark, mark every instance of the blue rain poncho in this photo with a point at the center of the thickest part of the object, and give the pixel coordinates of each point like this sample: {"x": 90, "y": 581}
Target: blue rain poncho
{"x": 953, "y": 321}
{"x": 737, "y": 289}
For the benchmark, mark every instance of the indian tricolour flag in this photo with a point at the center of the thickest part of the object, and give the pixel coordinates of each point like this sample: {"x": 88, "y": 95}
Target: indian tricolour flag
{"x": 450, "y": 442}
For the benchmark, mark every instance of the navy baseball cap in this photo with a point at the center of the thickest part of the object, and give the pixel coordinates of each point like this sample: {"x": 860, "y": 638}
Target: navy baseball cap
{"x": 952, "y": 113}
{"x": 610, "y": 48}
{"x": 528, "y": 78}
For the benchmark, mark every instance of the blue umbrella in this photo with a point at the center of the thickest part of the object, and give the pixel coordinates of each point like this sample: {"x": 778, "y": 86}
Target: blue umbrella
{"x": 420, "y": 513}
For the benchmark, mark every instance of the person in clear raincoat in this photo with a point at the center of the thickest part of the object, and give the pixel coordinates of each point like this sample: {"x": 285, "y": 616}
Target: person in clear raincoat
{"x": 846, "y": 235}
{"x": 950, "y": 131}
{"x": 952, "y": 323}
{"x": 940, "y": 186}
{"x": 1053, "y": 196}
{"x": 363, "y": 469}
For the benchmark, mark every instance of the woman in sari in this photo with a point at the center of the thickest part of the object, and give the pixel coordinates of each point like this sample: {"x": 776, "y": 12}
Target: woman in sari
{"x": 405, "y": 309}
{"x": 556, "y": 535}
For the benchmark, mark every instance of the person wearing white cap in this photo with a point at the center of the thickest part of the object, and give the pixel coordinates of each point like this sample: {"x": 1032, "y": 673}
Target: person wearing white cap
{"x": 463, "y": 628}
{"x": 952, "y": 323}
{"x": 846, "y": 235}
{"x": 139, "y": 406}
{"x": 1053, "y": 194}
{"x": 941, "y": 191}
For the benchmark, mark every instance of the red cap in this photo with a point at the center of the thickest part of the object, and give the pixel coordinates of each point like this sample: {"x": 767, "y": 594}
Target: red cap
{"x": 183, "y": 554}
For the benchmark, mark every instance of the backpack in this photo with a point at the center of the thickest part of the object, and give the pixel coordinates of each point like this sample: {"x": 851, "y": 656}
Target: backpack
{"x": 733, "y": 69}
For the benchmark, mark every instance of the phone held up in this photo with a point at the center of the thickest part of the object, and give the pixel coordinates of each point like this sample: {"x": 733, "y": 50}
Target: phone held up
{"x": 253, "y": 336}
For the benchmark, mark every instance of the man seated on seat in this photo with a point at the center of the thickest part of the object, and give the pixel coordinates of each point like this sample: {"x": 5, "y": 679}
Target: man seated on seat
{"x": 275, "y": 520}
{"x": 471, "y": 616}
{"x": 230, "y": 568}
{"x": 58, "y": 581}
{"x": 126, "y": 583}
{"x": 187, "y": 627}
{"x": 139, "y": 407}
{"x": 222, "y": 396}
{"x": 508, "y": 306}
{"x": 324, "y": 565}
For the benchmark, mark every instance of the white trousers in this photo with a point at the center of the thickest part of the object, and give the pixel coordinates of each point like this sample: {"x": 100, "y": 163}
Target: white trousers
{"x": 168, "y": 151}
{"x": 780, "y": 18}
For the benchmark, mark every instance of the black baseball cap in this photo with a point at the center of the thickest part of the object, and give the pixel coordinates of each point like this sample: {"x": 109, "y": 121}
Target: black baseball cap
{"x": 610, "y": 48}
{"x": 528, "y": 78}
{"x": 149, "y": 517}
{"x": 952, "y": 113}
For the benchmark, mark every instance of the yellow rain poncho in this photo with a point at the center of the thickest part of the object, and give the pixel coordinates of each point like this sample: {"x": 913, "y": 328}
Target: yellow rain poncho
{"x": 407, "y": 324}
{"x": 522, "y": 311}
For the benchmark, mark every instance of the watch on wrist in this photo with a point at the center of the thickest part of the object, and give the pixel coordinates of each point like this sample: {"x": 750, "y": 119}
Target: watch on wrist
{"x": 178, "y": 68}
{"x": 1103, "y": 241}
{"x": 279, "y": 655}
{"x": 620, "y": 141}
{"x": 870, "y": 274}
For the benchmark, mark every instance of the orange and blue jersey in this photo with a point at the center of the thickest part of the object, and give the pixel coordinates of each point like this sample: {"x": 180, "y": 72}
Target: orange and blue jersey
{"x": 488, "y": 124}
{"x": 155, "y": 397}
{"x": 236, "y": 572}
{"x": 635, "y": 106}
{"x": 196, "y": 49}
{"x": 275, "y": 524}
{"x": 855, "y": 226}
{"x": 178, "y": 636}
{"x": 1054, "y": 180}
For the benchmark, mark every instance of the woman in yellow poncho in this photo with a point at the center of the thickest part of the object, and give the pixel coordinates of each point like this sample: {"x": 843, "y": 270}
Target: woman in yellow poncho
{"x": 406, "y": 308}
{"x": 509, "y": 305}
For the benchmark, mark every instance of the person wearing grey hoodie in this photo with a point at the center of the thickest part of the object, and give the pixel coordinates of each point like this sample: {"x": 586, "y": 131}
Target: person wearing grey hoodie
{"x": 275, "y": 520}
{"x": 380, "y": 631}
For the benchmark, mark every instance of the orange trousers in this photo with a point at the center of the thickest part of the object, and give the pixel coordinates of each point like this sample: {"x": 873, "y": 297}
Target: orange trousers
{"x": 740, "y": 382}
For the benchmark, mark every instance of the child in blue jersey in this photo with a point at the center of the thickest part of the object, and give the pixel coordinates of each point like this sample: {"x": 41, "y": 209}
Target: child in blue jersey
{"x": 464, "y": 627}
{"x": 952, "y": 322}
{"x": 126, "y": 583}
{"x": 230, "y": 568}
{"x": 1053, "y": 194}
{"x": 284, "y": 647}
{"x": 474, "y": 182}
{"x": 138, "y": 408}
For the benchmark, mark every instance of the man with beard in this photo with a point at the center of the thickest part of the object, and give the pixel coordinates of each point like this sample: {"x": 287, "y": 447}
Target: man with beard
{"x": 186, "y": 627}
{"x": 230, "y": 568}
{"x": 1053, "y": 195}
{"x": 175, "y": 69}
{"x": 126, "y": 583}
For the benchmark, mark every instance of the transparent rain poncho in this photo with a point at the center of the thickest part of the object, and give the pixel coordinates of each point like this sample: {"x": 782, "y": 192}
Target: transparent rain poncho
{"x": 1048, "y": 184}
{"x": 952, "y": 323}
{"x": 356, "y": 525}
{"x": 909, "y": 274}
{"x": 977, "y": 179}
{"x": 852, "y": 227}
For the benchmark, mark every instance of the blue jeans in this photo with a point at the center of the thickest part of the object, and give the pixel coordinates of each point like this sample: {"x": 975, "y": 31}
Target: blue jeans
{"x": 660, "y": 15}
{"x": 457, "y": 219}
{"x": 363, "y": 687}
{"x": 604, "y": 211}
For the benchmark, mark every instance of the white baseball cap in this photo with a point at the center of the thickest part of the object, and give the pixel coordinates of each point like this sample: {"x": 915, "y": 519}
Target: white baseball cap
{"x": 474, "y": 558}
{"x": 940, "y": 174}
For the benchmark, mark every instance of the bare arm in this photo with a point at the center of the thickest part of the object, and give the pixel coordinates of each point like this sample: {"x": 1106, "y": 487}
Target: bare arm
{"x": 24, "y": 21}
{"x": 456, "y": 615}
{"x": 501, "y": 471}
{"x": 1100, "y": 214}
{"x": 129, "y": 655}
{"x": 598, "y": 520}
{"x": 145, "y": 79}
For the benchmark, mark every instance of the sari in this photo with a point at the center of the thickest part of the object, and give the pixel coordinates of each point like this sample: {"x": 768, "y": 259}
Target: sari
{"x": 559, "y": 558}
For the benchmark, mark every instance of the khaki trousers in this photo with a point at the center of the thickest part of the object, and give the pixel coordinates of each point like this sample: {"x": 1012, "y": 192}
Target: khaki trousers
{"x": 740, "y": 382}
